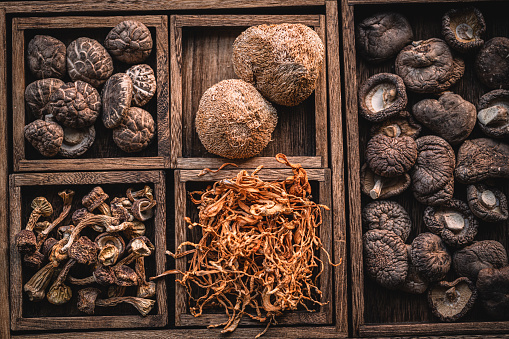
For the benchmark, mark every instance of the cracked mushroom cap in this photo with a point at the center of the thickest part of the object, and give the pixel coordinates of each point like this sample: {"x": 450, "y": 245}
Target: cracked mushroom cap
{"x": 116, "y": 99}
{"x": 402, "y": 124}
{"x": 125, "y": 276}
{"x": 136, "y": 130}
{"x": 450, "y": 301}
{"x": 463, "y": 29}
{"x": 234, "y": 120}
{"x": 94, "y": 198}
{"x": 470, "y": 260}
{"x": 414, "y": 283}
{"x": 390, "y": 157}
{"x": 130, "y": 41}
{"x": 382, "y": 96}
{"x": 487, "y": 203}
{"x": 453, "y": 222}
{"x": 86, "y": 299}
{"x": 493, "y": 287}
{"x": 385, "y": 258}
{"x": 381, "y": 36}
{"x": 378, "y": 187}
{"x": 387, "y": 215}
{"x": 493, "y": 113}
{"x": 45, "y": 136}
{"x": 282, "y": 61}
{"x": 428, "y": 66}
{"x": 46, "y": 57}
{"x": 451, "y": 117}
{"x": 76, "y": 141}
{"x": 84, "y": 251}
{"x": 430, "y": 256}
{"x": 37, "y": 95}
{"x": 492, "y": 64}
{"x": 144, "y": 84}
{"x": 88, "y": 60}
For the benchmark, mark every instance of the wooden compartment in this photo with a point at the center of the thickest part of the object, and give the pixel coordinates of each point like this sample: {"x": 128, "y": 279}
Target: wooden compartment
{"x": 27, "y": 315}
{"x": 103, "y": 154}
{"x": 200, "y": 56}
{"x": 377, "y": 311}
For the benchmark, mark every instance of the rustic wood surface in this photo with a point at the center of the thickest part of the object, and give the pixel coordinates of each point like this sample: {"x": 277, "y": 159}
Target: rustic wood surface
{"x": 384, "y": 2}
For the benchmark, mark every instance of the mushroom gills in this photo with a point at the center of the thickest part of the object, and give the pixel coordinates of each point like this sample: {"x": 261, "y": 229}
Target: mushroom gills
{"x": 453, "y": 220}
{"x": 392, "y": 131}
{"x": 496, "y": 115}
{"x": 454, "y": 299}
{"x": 464, "y": 31}
{"x": 381, "y": 97}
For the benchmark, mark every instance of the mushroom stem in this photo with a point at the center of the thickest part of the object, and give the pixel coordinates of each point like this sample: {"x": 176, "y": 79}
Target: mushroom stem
{"x": 145, "y": 289}
{"x": 392, "y": 131}
{"x": 144, "y": 306}
{"x": 464, "y": 31}
{"x": 82, "y": 281}
{"x": 451, "y": 294}
{"x": 377, "y": 189}
{"x": 454, "y": 221}
{"x": 92, "y": 220}
{"x": 36, "y": 286}
{"x": 59, "y": 293}
{"x": 104, "y": 209}
{"x": 493, "y": 115}
{"x": 66, "y": 196}
{"x": 488, "y": 199}
{"x": 116, "y": 291}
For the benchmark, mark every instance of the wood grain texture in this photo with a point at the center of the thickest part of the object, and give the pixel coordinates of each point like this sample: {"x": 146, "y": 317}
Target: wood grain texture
{"x": 136, "y": 163}
{"x": 268, "y": 162}
{"x": 18, "y": 90}
{"x": 264, "y": 174}
{"x": 176, "y": 91}
{"x": 84, "y": 178}
{"x": 160, "y": 244}
{"x": 70, "y": 22}
{"x": 163, "y": 95}
{"x": 16, "y": 285}
{"x": 326, "y": 235}
{"x": 243, "y": 20}
{"x": 434, "y": 329}
{"x": 373, "y": 2}
{"x": 180, "y": 237}
{"x": 321, "y": 123}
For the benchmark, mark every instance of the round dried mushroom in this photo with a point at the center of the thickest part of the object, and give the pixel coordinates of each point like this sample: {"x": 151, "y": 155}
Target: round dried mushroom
{"x": 378, "y": 187}
{"x": 135, "y": 131}
{"x": 89, "y": 61}
{"x": 453, "y": 222}
{"x": 130, "y": 41}
{"x": 144, "y": 84}
{"x": 414, "y": 283}
{"x": 492, "y": 64}
{"x": 387, "y": 215}
{"x": 450, "y": 301}
{"x": 428, "y": 66}
{"x": 385, "y": 258}
{"x": 381, "y": 36}
{"x": 46, "y": 137}
{"x": 487, "y": 203}
{"x": 390, "y": 157}
{"x": 76, "y": 141}
{"x": 382, "y": 96}
{"x": 463, "y": 29}
{"x": 75, "y": 104}
{"x": 46, "y": 57}
{"x": 234, "y": 120}
{"x": 37, "y": 95}
{"x": 116, "y": 99}
{"x": 430, "y": 256}
{"x": 493, "y": 115}
{"x": 402, "y": 124}
{"x": 451, "y": 117}
{"x": 469, "y": 261}
{"x": 493, "y": 287}
{"x": 282, "y": 61}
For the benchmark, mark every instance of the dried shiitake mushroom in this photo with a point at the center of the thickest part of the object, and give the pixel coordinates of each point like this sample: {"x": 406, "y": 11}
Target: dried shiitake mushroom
{"x": 76, "y": 141}
{"x": 378, "y": 187}
{"x": 130, "y": 41}
{"x": 37, "y": 95}
{"x": 450, "y": 301}
{"x": 387, "y": 215}
{"x": 414, "y": 282}
{"x": 135, "y": 131}
{"x": 88, "y": 60}
{"x": 390, "y": 157}
{"x": 493, "y": 115}
{"x": 46, "y": 57}
{"x": 463, "y": 29}
{"x": 487, "y": 203}
{"x": 144, "y": 84}
{"x": 469, "y": 261}
{"x": 116, "y": 99}
{"x": 401, "y": 124}
{"x": 492, "y": 64}
{"x": 282, "y": 61}
{"x": 493, "y": 287}
{"x": 45, "y": 136}
{"x": 430, "y": 256}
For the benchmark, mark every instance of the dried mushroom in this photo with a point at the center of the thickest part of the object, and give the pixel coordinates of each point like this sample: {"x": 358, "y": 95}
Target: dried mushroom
{"x": 88, "y": 60}
{"x": 116, "y": 99}
{"x": 463, "y": 29}
{"x": 46, "y": 57}
{"x": 402, "y": 124}
{"x": 390, "y": 157}
{"x": 378, "y": 187}
{"x": 136, "y": 130}
{"x": 430, "y": 256}
{"x": 95, "y": 199}
{"x": 26, "y": 240}
{"x": 382, "y": 96}
{"x": 493, "y": 115}
{"x": 102, "y": 275}
{"x": 234, "y": 121}
{"x": 381, "y": 36}
{"x": 143, "y": 209}
{"x": 129, "y": 41}
{"x": 88, "y": 300}
{"x": 144, "y": 84}
{"x": 387, "y": 215}
{"x": 428, "y": 66}
{"x": 111, "y": 247}
{"x": 76, "y": 141}
{"x": 487, "y": 203}
{"x": 493, "y": 287}
{"x": 37, "y": 95}
{"x": 469, "y": 261}
{"x": 282, "y": 61}
{"x": 46, "y": 137}
{"x": 450, "y": 301}
{"x": 492, "y": 65}
{"x": 451, "y": 117}
{"x": 414, "y": 283}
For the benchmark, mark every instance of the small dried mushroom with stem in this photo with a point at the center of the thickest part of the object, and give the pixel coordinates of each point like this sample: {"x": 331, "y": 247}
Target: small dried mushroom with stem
{"x": 129, "y": 41}
{"x": 45, "y": 136}
{"x": 46, "y": 57}
{"x": 487, "y": 203}
{"x": 116, "y": 99}
{"x": 390, "y": 157}
{"x": 469, "y": 261}
{"x": 493, "y": 113}
{"x": 493, "y": 287}
{"x": 144, "y": 84}
{"x": 95, "y": 199}
{"x": 136, "y": 130}
{"x": 450, "y": 301}
{"x": 463, "y": 29}
{"x": 387, "y": 215}
{"x": 430, "y": 256}
{"x": 76, "y": 141}
{"x": 26, "y": 241}
{"x": 37, "y": 95}
{"x": 401, "y": 124}
{"x": 378, "y": 187}
{"x": 88, "y": 301}
{"x": 111, "y": 247}
{"x": 492, "y": 64}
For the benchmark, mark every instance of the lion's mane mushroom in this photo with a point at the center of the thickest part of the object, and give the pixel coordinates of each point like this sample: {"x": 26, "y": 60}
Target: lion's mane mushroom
{"x": 26, "y": 240}
{"x": 387, "y": 215}
{"x": 492, "y": 64}
{"x": 470, "y": 260}
{"x": 144, "y": 84}
{"x": 463, "y": 29}
{"x": 433, "y": 172}
{"x": 493, "y": 287}
{"x": 385, "y": 257}
{"x": 45, "y": 136}
{"x": 487, "y": 203}
{"x": 87, "y": 301}
{"x": 37, "y": 95}
{"x": 453, "y": 222}
{"x": 430, "y": 256}
{"x": 116, "y": 99}
{"x": 76, "y": 141}
{"x": 46, "y": 57}
{"x": 282, "y": 61}
{"x": 390, "y": 157}
{"x": 493, "y": 113}
{"x": 381, "y": 36}
{"x": 402, "y": 124}
{"x": 382, "y": 96}
{"x": 451, "y": 117}
{"x": 480, "y": 159}
{"x": 414, "y": 283}
{"x": 428, "y": 66}
{"x": 135, "y": 131}
{"x": 88, "y": 60}
{"x": 111, "y": 247}
{"x": 129, "y": 41}
{"x": 450, "y": 301}
{"x": 378, "y": 187}
{"x": 234, "y": 120}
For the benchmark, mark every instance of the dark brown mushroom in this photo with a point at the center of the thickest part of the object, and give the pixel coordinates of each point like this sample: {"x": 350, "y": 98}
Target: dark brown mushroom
{"x": 129, "y": 41}
{"x": 390, "y": 157}
{"x": 88, "y": 60}
{"x": 37, "y": 95}
{"x": 142, "y": 209}
{"x": 450, "y": 301}
{"x": 463, "y": 29}
{"x": 493, "y": 287}
{"x": 451, "y": 117}
{"x": 116, "y": 99}
{"x": 430, "y": 256}
{"x": 382, "y": 96}
{"x": 46, "y": 57}
{"x": 492, "y": 64}
{"x": 79, "y": 215}
{"x": 125, "y": 276}
{"x": 26, "y": 240}
{"x": 88, "y": 300}
{"x": 470, "y": 260}
{"x": 144, "y": 84}
{"x": 378, "y": 187}
{"x": 102, "y": 275}
{"x": 493, "y": 113}
{"x": 35, "y": 288}
{"x": 137, "y": 229}
{"x": 95, "y": 199}
{"x": 76, "y": 141}
{"x": 387, "y": 215}
{"x": 45, "y": 136}
{"x": 111, "y": 247}
{"x": 136, "y": 130}
{"x": 402, "y": 124}
{"x": 428, "y": 66}
{"x": 145, "y": 289}
{"x": 120, "y": 208}
{"x": 414, "y": 283}
{"x": 487, "y": 203}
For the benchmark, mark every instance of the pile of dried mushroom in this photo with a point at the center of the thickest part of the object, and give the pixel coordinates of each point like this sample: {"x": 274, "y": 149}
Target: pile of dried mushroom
{"x": 62, "y": 249}
{"x": 397, "y": 158}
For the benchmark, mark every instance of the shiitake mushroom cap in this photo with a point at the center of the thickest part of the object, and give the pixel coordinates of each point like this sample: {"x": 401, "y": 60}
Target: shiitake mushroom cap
{"x": 463, "y": 29}
{"x": 492, "y": 64}
{"x": 469, "y": 261}
{"x": 390, "y": 157}
{"x": 493, "y": 113}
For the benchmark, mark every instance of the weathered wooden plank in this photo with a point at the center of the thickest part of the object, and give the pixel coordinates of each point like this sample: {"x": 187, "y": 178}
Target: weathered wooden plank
{"x": 264, "y": 174}
{"x": 290, "y": 318}
{"x": 18, "y": 90}
{"x": 321, "y": 124}
{"x": 385, "y": 2}
{"x": 16, "y": 290}
{"x": 98, "y": 164}
{"x": 326, "y": 233}
{"x": 180, "y": 237}
{"x": 430, "y": 329}
{"x": 84, "y": 178}
{"x": 160, "y": 245}
{"x": 176, "y": 91}
{"x": 268, "y": 162}
{"x": 243, "y": 20}
{"x": 69, "y": 22}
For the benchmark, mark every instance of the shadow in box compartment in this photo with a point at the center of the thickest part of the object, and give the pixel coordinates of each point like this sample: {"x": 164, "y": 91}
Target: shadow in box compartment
{"x": 27, "y": 315}
{"x": 201, "y": 56}
{"x": 378, "y": 311}
{"x": 187, "y": 181}
{"x": 104, "y": 153}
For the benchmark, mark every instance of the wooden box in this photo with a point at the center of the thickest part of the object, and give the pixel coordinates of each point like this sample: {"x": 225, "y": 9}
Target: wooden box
{"x": 377, "y": 311}
{"x": 103, "y": 154}
{"x": 27, "y": 315}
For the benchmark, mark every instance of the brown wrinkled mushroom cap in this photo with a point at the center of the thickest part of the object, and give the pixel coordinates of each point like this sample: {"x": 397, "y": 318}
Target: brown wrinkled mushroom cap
{"x": 385, "y": 258}
{"x": 282, "y": 61}
{"x": 130, "y": 41}
{"x": 45, "y": 136}
{"x": 37, "y": 95}
{"x": 387, "y": 215}
{"x": 135, "y": 131}
{"x": 428, "y": 66}
{"x": 493, "y": 287}
{"x": 470, "y": 260}
{"x": 76, "y": 141}
{"x": 116, "y": 99}
{"x": 26, "y": 241}
{"x": 382, "y": 96}
{"x": 378, "y": 187}
{"x": 430, "y": 256}
{"x": 234, "y": 120}
{"x": 144, "y": 84}
{"x": 94, "y": 198}
{"x": 451, "y": 117}
{"x": 414, "y": 283}
{"x": 493, "y": 113}
{"x": 84, "y": 251}
{"x": 125, "y": 276}
{"x": 402, "y": 124}
{"x": 450, "y": 301}
{"x": 88, "y": 60}
{"x": 103, "y": 275}
{"x": 463, "y": 29}
{"x": 86, "y": 299}
{"x": 389, "y": 157}
{"x": 46, "y": 57}
{"x": 453, "y": 222}
{"x": 492, "y": 64}
{"x": 487, "y": 203}
{"x": 381, "y": 36}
